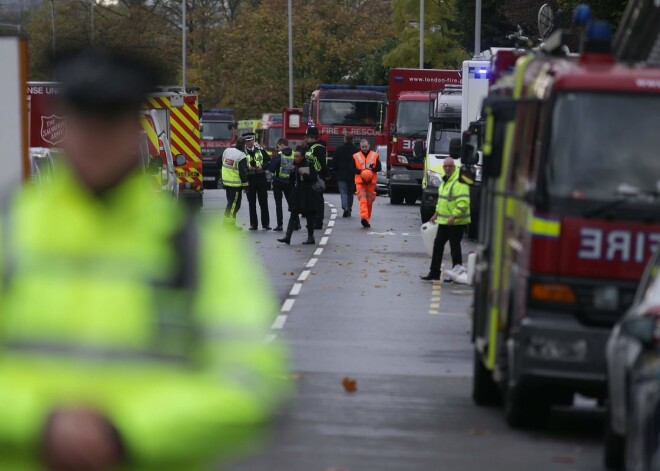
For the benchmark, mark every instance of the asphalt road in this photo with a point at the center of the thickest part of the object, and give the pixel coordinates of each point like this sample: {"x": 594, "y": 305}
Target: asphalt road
{"x": 358, "y": 310}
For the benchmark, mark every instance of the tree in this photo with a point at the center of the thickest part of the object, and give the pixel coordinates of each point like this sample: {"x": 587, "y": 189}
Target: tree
{"x": 494, "y": 25}
{"x": 441, "y": 45}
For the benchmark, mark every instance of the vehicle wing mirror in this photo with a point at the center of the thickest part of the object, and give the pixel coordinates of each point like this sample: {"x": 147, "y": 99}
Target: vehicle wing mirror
{"x": 180, "y": 160}
{"x": 455, "y": 148}
{"x": 641, "y": 328}
{"x": 419, "y": 150}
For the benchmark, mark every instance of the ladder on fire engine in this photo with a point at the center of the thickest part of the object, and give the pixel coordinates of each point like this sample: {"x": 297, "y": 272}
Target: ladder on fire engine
{"x": 638, "y": 35}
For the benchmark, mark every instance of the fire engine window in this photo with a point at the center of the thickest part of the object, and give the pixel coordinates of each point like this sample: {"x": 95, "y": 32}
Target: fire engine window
{"x": 441, "y": 139}
{"x": 349, "y": 113}
{"x": 217, "y": 130}
{"x": 603, "y": 146}
{"x": 412, "y": 117}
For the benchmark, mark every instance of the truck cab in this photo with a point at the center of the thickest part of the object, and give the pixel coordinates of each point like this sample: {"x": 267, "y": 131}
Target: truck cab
{"x": 270, "y": 131}
{"x": 443, "y": 126}
{"x": 218, "y": 133}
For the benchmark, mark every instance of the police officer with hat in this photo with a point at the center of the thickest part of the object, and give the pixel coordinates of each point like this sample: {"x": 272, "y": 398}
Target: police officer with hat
{"x": 316, "y": 153}
{"x": 120, "y": 343}
{"x": 258, "y": 160}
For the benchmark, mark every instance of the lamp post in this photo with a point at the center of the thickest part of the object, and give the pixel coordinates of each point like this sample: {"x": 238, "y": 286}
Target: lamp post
{"x": 183, "y": 45}
{"x": 52, "y": 21}
{"x": 91, "y": 14}
{"x": 477, "y": 28}
{"x": 421, "y": 34}
{"x": 290, "y": 13}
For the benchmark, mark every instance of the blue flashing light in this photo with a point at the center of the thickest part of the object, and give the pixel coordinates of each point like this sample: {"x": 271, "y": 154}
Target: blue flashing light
{"x": 276, "y": 119}
{"x": 376, "y": 88}
{"x": 373, "y": 88}
{"x": 329, "y": 86}
{"x": 582, "y": 15}
{"x": 478, "y": 72}
{"x": 219, "y": 110}
{"x": 600, "y": 31}
{"x": 398, "y": 78}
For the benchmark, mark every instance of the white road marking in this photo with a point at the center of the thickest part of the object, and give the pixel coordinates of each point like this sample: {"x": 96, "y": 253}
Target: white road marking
{"x": 295, "y": 290}
{"x": 435, "y": 306}
{"x": 331, "y": 205}
{"x": 311, "y": 263}
{"x": 303, "y": 276}
{"x": 381, "y": 233}
{"x": 436, "y": 296}
{"x": 434, "y": 312}
{"x": 324, "y": 241}
{"x": 334, "y": 211}
{"x": 279, "y": 322}
{"x": 333, "y": 216}
{"x": 331, "y": 223}
{"x": 328, "y": 231}
{"x": 318, "y": 252}
{"x": 288, "y": 305}
{"x": 404, "y": 234}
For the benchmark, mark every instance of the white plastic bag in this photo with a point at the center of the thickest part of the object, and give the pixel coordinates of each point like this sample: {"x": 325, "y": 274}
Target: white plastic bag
{"x": 428, "y": 236}
{"x": 459, "y": 274}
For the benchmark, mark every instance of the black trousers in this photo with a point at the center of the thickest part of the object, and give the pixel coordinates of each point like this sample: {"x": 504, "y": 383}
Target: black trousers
{"x": 319, "y": 206}
{"x": 234, "y": 198}
{"x": 258, "y": 190}
{"x": 280, "y": 191}
{"x": 453, "y": 234}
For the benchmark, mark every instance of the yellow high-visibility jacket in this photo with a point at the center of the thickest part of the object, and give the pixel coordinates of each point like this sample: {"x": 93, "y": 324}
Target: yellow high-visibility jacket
{"x": 94, "y": 313}
{"x": 453, "y": 200}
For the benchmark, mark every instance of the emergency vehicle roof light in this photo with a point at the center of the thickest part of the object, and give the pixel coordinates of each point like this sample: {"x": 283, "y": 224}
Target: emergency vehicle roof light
{"x": 220, "y": 110}
{"x": 375, "y": 88}
{"x": 600, "y": 31}
{"x": 329, "y": 86}
{"x": 582, "y": 15}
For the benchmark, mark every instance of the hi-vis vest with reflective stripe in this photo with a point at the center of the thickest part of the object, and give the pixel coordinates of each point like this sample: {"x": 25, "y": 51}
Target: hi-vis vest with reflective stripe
{"x": 100, "y": 309}
{"x": 312, "y": 158}
{"x": 231, "y": 176}
{"x": 257, "y": 158}
{"x": 286, "y": 167}
{"x": 361, "y": 164}
{"x": 453, "y": 200}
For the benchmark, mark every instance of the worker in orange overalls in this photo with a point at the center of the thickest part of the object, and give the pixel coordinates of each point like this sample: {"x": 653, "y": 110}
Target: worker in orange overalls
{"x": 367, "y": 165}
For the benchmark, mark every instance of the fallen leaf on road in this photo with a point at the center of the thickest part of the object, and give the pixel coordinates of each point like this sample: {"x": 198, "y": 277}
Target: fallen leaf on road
{"x": 383, "y": 271}
{"x": 479, "y": 432}
{"x": 350, "y": 385}
{"x": 399, "y": 294}
{"x": 292, "y": 274}
{"x": 377, "y": 286}
{"x": 335, "y": 469}
{"x": 563, "y": 459}
{"x": 257, "y": 242}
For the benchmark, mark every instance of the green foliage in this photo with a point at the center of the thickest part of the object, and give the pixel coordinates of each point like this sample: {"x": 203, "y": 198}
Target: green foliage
{"x": 441, "y": 42}
{"x": 494, "y": 25}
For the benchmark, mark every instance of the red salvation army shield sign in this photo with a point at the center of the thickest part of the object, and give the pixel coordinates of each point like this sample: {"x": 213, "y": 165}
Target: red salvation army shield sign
{"x": 53, "y": 129}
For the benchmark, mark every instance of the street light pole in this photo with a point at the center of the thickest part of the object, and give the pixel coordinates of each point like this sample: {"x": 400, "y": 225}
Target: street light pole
{"x": 183, "y": 40}
{"x": 52, "y": 20}
{"x": 421, "y": 34}
{"x": 477, "y": 28}
{"x": 290, "y": 53}
{"x": 93, "y": 3}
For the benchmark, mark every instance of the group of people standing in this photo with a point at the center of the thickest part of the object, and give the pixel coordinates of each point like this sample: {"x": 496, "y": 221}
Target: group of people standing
{"x": 299, "y": 177}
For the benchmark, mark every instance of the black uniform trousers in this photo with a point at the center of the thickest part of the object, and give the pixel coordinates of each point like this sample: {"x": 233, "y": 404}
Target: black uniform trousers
{"x": 234, "y": 198}
{"x": 281, "y": 191}
{"x": 319, "y": 207}
{"x": 258, "y": 189}
{"x": 453, "y": 234}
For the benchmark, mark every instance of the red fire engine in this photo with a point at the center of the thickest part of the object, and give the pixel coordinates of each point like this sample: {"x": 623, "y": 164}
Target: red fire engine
{"x": 407, "y": 122}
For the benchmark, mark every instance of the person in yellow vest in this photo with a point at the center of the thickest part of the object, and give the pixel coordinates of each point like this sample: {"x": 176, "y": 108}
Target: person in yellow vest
{"x": 258, "y": 160}
{"x": 121, "y": 347}
{"x": 234, "y": 180}
{"x": 452, "y": 214}
{"x": 367, "y": 165}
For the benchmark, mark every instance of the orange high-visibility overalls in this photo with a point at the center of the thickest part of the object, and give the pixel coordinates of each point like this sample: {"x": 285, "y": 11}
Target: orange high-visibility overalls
{"x": 366, "y": 192}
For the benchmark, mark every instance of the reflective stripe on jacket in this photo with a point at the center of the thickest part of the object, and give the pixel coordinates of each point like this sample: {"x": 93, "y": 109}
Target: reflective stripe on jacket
{"x": 285, "y": 168}
{"x": 99, "y": 309}
{"x": 362, "y": 164}
{"x": 312, "y": 158}
{"x": 257, "y": 158}
{"x": 453, "y": 200}
{"x": 230, "y": 174}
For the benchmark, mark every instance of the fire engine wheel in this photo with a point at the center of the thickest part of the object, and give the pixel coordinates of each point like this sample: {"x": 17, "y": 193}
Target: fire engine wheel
{"x": 615, "y": 447}
{"x": 525, "y": 407}
{"x": 396, "y": 196}
{"x": 485, "y": 391}
{"x": 411, "y": 199}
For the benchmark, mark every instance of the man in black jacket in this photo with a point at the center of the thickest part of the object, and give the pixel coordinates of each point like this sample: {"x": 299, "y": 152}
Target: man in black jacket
{"x": 344, "y": 166}
{"x": 258, "y": 160}
{"x": 316, "y": 153}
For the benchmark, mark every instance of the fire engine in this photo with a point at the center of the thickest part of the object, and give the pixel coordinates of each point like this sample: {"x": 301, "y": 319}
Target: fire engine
{"x": 218, "y": 133}
{"x": 407, "y": 122}
{"x": 293, "y": 126}
{"x": 337, "y": 110}
{"x": 270, "y": 131}
{"x": 570, "y": 214}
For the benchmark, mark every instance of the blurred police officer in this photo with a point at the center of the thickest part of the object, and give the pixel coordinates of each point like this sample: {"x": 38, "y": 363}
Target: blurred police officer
{"x": 121, "y": 346}
{"x": 234, "y": 180}
{"x": 258, "y": 160}
{"x": 318, "y": 156}
{"x": 281, "y": 167}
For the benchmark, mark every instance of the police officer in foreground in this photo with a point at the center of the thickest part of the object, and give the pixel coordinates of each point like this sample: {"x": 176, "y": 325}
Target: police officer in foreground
{"x": 121, "y": 346}
{"x": 258, "y": 160}
{"x": 234, "y": 180}
{"x": 318, "y": 156}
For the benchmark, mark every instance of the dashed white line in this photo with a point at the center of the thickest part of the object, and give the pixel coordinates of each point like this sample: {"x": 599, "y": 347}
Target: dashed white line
{"x": 279, "y": 322}
{"x": 333, "y": 216}
{"x": 318, "y": 252}
{"x": 328, "y": 231}
{"x": 331, "y": 223}
{"x": 288, "y": 305}
{"x": 295, "y": 290}
{"x": 324, "y": 241}
{"x": 405, "y": 233}
{"x": 331, "y": 205}
{"x": 334, "y": 211}
{"x": 303, "y": 276}
{"x": 312, "y": 262}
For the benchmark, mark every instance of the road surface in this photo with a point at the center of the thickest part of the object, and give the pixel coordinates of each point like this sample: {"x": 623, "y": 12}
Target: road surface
{"x": 353, "y": 307}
